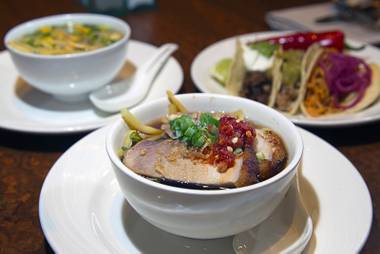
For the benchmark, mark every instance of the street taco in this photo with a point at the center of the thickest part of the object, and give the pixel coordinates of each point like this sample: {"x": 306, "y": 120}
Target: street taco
{"x": 338, "y": 84}
{"x": 266, "y": 73}
{"x": 297, "y": 73}
{"x": 248, "y": 74}
{"x": 290, "y": 77}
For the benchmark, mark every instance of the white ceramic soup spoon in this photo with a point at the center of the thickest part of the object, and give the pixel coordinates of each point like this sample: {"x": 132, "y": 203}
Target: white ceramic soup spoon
{"x": 129, "y": 92}
{"x": 287, "y": 230}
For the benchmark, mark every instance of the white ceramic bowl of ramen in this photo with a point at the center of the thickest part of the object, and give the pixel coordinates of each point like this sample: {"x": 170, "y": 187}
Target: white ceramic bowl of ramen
{"x": 70, "y": 76}
{"x": 206, "y": 214}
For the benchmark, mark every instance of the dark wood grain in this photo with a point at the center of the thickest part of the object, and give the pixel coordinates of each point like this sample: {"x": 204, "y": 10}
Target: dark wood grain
{"x": 25, "y": 159}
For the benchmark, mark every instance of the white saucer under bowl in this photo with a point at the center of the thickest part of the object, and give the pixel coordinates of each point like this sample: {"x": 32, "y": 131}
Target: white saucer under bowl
{"x": 82, "y": 209}
{"x": 23, "y": 108}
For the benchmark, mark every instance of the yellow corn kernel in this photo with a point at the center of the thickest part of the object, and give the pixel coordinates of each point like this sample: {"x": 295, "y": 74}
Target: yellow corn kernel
{"x": 45, "y": 29}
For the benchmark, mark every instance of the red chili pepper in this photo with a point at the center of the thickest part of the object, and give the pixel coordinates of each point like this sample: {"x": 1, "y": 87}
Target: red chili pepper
{"x": 229, "y": 129}
{"x": 331, "y": 39}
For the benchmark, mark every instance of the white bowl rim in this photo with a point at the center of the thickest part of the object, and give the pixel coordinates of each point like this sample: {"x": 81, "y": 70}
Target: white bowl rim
{"x": 292, "y": 164}
{"x": 67, "y": 17}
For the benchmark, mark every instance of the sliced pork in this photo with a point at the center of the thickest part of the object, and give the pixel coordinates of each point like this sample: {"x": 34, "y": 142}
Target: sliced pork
{"x": 170, "y": 159}
{"x": 173, "y": 160}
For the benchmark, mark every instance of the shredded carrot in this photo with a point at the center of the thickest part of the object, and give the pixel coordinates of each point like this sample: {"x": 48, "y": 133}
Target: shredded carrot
{"x": 318, "y": 100}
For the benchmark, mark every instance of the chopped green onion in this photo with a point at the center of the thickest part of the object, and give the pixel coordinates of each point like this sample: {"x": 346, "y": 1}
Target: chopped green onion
{"x": 198, "y": 139}
{"x": 190, "y": 131}
{"x": 207, "y": 119}
{"x": 180, "y": 125}
{"x": 195, "y": 134}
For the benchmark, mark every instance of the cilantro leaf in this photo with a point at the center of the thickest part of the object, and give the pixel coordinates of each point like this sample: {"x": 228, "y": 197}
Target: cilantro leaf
{"x": 264, "y": 48}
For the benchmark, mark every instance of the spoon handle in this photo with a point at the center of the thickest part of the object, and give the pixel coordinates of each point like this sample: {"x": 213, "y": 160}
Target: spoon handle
{"x": 139, "y": 85}
{"x": 147, "y": 73}
{"x": 154, "y": 64}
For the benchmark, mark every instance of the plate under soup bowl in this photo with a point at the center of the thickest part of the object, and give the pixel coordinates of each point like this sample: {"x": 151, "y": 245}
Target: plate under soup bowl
{"x": 206, "y": 214}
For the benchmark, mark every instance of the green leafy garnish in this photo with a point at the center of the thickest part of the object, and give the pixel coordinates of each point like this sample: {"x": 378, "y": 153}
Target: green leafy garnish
{"x": 207, "y": 119}
{"x": 264, "y": 48}
{"x": 193, "y": 133}
{"x": 131, "y": 138}
{"x": 180, "y": 125}
{"x": 135, "y": 137}
{"x": 291, "y": 67}
{"x": 198, "y": 139}
{"x": 211, "y": 125}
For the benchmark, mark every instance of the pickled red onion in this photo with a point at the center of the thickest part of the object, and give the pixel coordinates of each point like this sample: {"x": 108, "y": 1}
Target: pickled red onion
{"x": 345, "y": 75}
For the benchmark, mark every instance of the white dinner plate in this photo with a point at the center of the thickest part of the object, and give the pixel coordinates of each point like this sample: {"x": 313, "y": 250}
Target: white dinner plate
{"x": 29, "y": 110}
{"x": 206, "y": 59}
{"x": 82, "y": 209}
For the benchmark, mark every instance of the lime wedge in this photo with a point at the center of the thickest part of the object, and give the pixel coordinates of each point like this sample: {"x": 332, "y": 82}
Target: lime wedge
{"x": 220, "y": 70}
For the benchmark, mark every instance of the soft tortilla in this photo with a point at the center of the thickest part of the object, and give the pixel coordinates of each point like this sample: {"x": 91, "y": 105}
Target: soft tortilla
{"x": 276, "y": 80}
{"x": 237, "y": 71}
{"x": 371, "y": 94}
{"x": 308, "y": 61}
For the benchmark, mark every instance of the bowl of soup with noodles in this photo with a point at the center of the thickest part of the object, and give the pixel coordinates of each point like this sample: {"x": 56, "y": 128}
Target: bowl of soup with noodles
{"x": 69, "y": 55}
{"x": 204, "y": 165}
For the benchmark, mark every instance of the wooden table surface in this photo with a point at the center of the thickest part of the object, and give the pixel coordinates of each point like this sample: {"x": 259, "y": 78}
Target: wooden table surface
{"x": 25, "y": 159}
